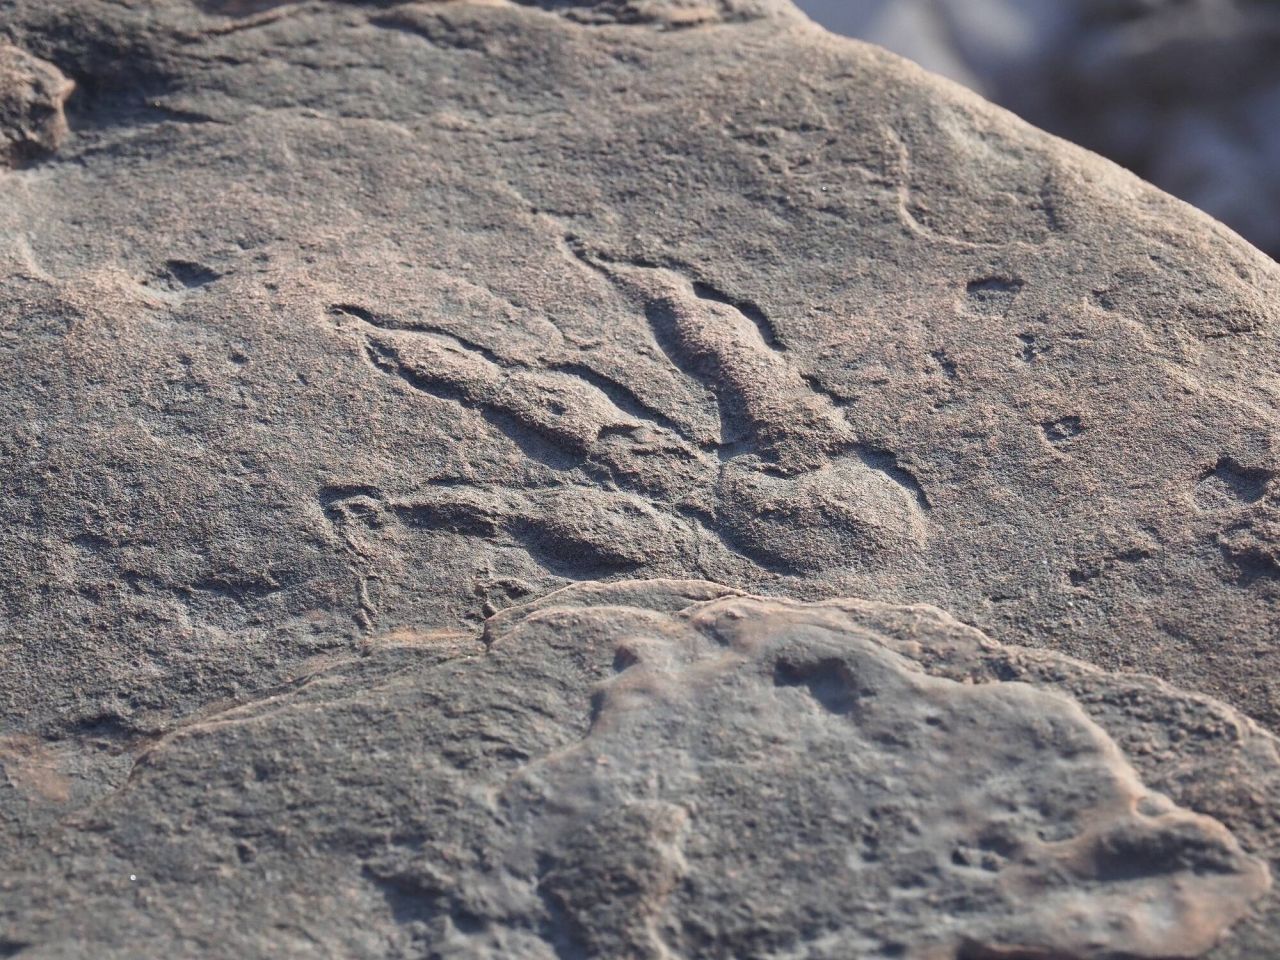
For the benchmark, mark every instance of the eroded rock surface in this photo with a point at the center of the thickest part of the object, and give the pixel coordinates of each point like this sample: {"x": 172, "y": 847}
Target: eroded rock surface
{"x": 333, "y": 315}
{"x": 32, "y": 93}
{"x": 661, "y": 769}
{"x": 339, "y": 322}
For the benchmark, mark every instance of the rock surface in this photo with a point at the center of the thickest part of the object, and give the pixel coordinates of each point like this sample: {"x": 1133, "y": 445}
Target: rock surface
{"x": 32, "y": 94}
{"x": 660, "y": 769}
{"x": 343, "y": 326}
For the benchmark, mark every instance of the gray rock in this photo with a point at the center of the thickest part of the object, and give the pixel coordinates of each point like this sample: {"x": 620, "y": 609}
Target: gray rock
{"x": 32, "y": 93}
{"x": 659, "y": 769}
{"x": 336, "y": 327}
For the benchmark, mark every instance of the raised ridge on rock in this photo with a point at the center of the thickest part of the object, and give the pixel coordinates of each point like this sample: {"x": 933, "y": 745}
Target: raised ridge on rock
{"x": 32, "y": 94}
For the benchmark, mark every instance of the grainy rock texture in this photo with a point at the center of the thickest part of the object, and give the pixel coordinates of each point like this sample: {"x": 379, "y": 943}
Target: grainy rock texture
{"x": 340, "y": 327}
{"x": 32, "y": 92}
{"x": 660, "y": 769}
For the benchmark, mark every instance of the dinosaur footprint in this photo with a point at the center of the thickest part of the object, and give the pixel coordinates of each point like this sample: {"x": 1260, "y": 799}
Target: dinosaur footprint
{"x": 786, "y": 484}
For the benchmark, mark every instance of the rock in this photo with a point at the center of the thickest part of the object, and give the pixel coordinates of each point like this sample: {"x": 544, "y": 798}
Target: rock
{"x": 903, "y": 348}
{"x": 345, "y": 325}
{"x": 32, "y": 93}
{"x": 662, "y": 768}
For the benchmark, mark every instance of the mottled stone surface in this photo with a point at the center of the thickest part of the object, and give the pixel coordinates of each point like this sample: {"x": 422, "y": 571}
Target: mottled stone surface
{"x": 32, "y": 92}
{"x": 340, "y": 327}
{"x": 660, "y": 769}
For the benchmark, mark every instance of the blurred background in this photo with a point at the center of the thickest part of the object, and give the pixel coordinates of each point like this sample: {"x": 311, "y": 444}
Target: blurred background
{"x": 1185, "y": 93}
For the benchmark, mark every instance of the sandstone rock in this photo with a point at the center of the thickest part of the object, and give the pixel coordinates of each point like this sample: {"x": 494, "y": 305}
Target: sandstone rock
{"x": 340, "y": 325}
{"x": 897, "y": 346}
{"x": 656, "y": 769}
{"x": 32, "y": 93}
